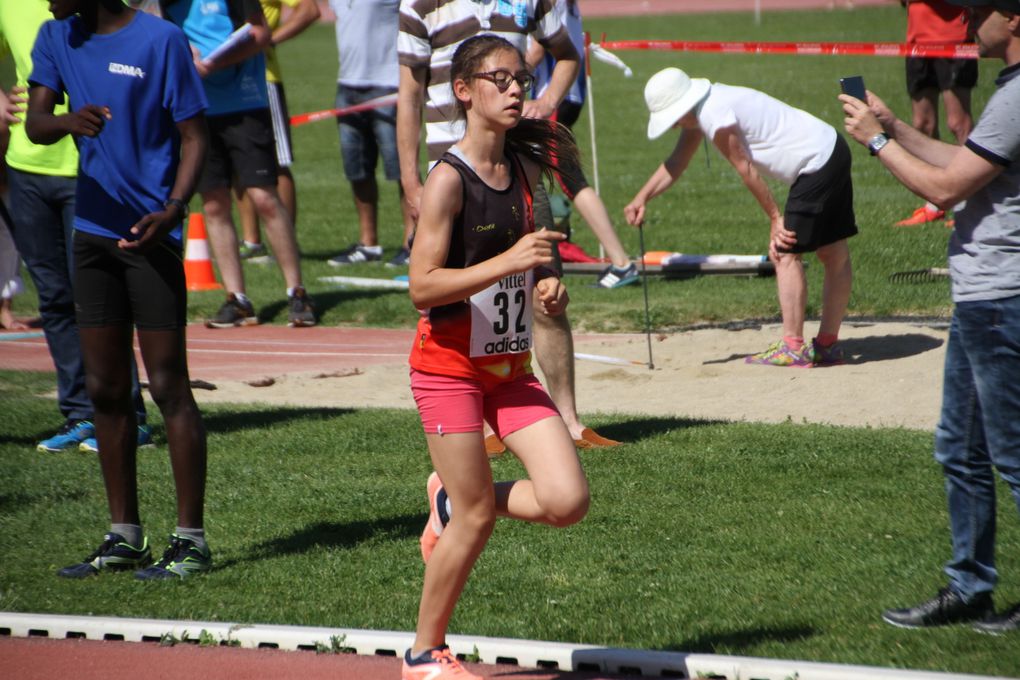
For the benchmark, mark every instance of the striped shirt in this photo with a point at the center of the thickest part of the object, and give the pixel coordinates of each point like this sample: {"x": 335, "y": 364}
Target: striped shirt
{"x": 431, "y": 31}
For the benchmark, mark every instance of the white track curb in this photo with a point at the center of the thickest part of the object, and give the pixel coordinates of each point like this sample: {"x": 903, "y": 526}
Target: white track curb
{"x": 526, "y": 653}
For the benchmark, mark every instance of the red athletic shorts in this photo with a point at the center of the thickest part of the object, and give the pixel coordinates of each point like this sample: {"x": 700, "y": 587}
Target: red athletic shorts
{"x": 451, "y": 404}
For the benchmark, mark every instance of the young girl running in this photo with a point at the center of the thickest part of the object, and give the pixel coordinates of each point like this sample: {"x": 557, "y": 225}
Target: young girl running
{"x": 477, "y": 272}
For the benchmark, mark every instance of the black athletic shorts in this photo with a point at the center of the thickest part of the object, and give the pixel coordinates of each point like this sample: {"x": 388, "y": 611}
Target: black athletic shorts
{"x": 242, "y": 151}
{"x": 114, "y": 287}
{"x": 940, "y": 74}
{"x": 820, "y": 207}
{"x": 568, "y": 113}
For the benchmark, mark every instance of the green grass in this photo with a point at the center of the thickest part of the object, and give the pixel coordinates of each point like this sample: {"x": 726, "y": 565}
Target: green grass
{"x": 764, "y": 540}
{"x": 709, "y": 211}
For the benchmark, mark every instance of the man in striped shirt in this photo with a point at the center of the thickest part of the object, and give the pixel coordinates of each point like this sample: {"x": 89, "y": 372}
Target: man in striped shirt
{"x": 430, "y": 32}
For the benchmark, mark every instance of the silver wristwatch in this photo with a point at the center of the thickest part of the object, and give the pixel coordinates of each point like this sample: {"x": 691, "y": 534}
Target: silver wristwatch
{"x": 877, "y": 143}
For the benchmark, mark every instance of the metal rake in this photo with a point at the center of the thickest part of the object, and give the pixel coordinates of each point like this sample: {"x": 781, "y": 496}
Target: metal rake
{"x": 920, "y": 275}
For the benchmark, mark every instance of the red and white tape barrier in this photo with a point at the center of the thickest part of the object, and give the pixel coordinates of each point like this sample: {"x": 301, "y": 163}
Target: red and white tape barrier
{"x": 378, "y": 102}
{"x": 807, "y": 48}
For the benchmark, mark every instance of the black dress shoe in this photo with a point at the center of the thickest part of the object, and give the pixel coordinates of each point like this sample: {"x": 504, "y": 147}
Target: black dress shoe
{"x": 1004, "y": 623}
{"x": 945, "y": 608}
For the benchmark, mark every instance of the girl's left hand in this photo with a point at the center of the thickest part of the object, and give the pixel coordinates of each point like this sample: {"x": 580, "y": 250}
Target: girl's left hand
{"x": 551, "y": 296}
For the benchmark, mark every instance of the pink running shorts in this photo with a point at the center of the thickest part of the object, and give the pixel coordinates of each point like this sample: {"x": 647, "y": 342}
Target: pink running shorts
{"x": 450, "y": 404}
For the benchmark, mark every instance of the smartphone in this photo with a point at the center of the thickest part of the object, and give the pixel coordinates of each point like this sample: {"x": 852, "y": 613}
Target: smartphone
{"x": 854, "y": 86}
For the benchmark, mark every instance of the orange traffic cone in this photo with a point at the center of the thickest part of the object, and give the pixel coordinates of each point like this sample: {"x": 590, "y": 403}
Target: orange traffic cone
{"x": 198, "y": 269}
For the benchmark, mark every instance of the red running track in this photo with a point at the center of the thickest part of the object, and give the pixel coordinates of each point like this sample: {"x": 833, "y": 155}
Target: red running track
{"x": 44, "y": 659}
{"x": 240, "y": 353}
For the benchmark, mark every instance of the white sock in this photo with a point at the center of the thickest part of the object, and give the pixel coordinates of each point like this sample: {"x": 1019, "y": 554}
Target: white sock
{"x": 196, "y": 536}
{"x": 132, "y": 533}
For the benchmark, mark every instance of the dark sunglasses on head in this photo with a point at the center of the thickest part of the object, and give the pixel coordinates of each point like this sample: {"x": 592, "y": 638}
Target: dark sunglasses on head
{"x": 502, "y": 79}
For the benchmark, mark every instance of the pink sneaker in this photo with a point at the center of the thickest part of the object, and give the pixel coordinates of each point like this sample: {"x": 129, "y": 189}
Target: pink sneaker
{"x": 434, "y": 527}
{"x": 442, "y": 666}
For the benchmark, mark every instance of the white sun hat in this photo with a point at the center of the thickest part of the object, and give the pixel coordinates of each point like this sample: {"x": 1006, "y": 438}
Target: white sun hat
{"x": 670, "y": 94}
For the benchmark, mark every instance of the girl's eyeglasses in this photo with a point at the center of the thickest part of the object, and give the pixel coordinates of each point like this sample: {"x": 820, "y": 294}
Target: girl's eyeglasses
{"x": 502, "y": 79}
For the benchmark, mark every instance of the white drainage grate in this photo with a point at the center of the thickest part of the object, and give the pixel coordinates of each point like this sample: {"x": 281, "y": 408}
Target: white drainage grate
{"x": 526, "y": 653}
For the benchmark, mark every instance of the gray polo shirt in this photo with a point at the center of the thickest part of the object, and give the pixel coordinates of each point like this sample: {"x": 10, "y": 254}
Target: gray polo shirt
{"x": 984, "y": 251}
{"x": 366, "y": 40}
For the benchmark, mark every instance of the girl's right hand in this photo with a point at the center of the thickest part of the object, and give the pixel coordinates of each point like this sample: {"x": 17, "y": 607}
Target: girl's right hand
{"x": 533, "y": 249}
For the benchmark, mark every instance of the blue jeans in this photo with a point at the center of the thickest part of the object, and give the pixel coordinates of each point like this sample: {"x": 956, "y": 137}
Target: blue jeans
{"x": 978, "y": 433}
{"x": 366, "y": 135}
{"x": 42, "y": 208}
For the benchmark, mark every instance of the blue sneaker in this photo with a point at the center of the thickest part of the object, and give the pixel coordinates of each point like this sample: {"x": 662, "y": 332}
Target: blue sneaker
{"x": 182, "y": 559}
{"x": 70, "y": 436}
{"x": 611, "y": 277}
{"x": 144, "y": 440}
{"x": 114, "y": 554}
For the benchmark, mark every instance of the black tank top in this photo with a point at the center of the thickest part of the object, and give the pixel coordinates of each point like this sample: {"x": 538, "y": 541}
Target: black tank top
{"x": 490, "y": 221}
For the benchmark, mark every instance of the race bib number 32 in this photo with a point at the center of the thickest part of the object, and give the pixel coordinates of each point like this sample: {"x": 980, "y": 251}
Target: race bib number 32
{"x": 501, "y": 316}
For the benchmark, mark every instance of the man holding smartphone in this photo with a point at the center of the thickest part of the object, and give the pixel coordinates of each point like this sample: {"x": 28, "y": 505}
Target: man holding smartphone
{"x": 979, "y": 426}
{"x": 759, "y": 134}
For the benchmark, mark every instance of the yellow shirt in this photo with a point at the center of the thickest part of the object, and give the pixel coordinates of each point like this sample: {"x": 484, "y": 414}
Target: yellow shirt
{"x": 273, "y": 9}
{"x": 19, "y": 24}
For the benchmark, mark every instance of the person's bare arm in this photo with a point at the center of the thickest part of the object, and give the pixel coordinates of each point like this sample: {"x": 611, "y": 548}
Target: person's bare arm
{"x": 44, "y": 127}
{"x": 664, "y": 176}
{"x": 945, "y": 184}
{"x": 257, "y": 41}
{"x": 916, "y": 142}
{"x": 733, "y": 146}
{"x": 11, "y": 104}
{"x": 410, "y": 101}
{"x": 153, "y": 227}
{"x": 564, "y": 73}
{"x": 301, "y": 16}
{"x": 535, "y": 55}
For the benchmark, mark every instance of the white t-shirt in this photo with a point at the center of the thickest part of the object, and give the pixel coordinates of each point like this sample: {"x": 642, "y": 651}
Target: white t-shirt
{"x": 785, "y": 142}
{"x": 431, "y": 31}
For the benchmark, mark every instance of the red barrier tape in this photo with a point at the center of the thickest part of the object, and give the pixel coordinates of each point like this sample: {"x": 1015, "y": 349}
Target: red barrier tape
{"x": 859, "y": 49}
{"x": 302, "y": 118}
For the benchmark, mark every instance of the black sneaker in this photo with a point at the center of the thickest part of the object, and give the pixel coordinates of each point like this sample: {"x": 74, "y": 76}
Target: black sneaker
{"x": 114, "y": 554}
{"x": 356, "y": 254}
{"x": 182, "y": 559}
{"x": 300, "y": 309}
{"x": 234, "y": 312}
{"x": 401, "y": 259}
{"x": 945, "y": 608}
{"x": 1003, "y": 623}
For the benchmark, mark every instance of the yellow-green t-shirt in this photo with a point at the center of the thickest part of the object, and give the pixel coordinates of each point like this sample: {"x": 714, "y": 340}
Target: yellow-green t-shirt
{"x": 19, "y": 23}
{"x": 273, "y": 9}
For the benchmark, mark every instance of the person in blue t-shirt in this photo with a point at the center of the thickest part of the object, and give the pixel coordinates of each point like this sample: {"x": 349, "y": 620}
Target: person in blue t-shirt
{"x": 136, "y": 111}
{"x": 242, "y": 149}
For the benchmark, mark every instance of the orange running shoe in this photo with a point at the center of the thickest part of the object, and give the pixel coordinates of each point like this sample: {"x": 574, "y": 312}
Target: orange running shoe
{"x": 442, "y": 665}
{"x": 434, "y": 527}
{"x": 922, "y": 215}
{"x": 590, "y": 439}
